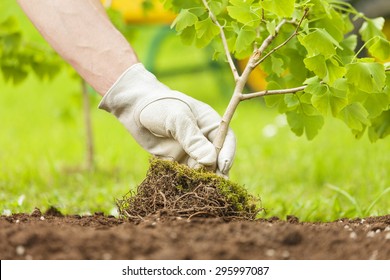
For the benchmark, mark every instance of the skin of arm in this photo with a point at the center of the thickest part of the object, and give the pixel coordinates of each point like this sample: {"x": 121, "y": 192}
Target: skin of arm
{"x": 82, "y": 34}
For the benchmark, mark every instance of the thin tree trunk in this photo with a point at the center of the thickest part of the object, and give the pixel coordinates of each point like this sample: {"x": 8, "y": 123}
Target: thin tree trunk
{"x": 89, "y": 143}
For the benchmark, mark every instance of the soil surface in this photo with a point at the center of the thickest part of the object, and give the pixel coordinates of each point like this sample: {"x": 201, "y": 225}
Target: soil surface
{"x": 53, "y": 236}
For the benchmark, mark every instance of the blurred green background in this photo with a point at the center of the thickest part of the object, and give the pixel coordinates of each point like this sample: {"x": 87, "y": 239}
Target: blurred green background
{"x": 43, "y": 151}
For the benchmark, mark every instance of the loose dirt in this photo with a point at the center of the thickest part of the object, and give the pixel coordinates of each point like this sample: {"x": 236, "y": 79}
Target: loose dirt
{"x": 54, "y": 236}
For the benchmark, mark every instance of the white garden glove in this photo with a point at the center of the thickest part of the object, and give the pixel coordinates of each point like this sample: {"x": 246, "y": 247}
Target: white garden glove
{"x": 167, "y": 123}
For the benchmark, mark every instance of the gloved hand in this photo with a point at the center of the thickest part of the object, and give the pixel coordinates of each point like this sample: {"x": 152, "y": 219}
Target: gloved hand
{"x": 167, "y": 123}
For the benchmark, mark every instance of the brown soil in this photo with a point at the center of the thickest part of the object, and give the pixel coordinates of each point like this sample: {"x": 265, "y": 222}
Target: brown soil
{"x": 53, "y": 236}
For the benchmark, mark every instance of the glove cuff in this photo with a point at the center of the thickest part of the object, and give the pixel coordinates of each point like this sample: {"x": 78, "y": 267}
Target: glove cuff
{"x": 134, "y": 84}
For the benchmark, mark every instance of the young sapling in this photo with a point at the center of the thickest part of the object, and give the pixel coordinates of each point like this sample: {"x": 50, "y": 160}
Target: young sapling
{"x": 309, "y": 52}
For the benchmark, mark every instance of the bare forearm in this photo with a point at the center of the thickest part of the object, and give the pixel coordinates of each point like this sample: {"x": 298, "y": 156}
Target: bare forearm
{"x": 81, "y": 33}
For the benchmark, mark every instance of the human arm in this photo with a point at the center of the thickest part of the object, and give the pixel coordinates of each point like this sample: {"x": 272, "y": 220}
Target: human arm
{"x": 82, "y": 34}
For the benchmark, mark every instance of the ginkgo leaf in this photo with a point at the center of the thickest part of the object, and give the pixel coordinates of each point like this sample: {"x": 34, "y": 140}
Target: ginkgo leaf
{"x": 206, "y": 30}
{"x": 319, "y": 42}
{"x": 355, "y": 116}
{"x": 188, "y": 35}
{"x": 317, "y": 65}
{"x": 216, "y": 7}
{"x": 271, "y": 25}
{"x": 281, "y": 8}
{"x": 334, "y": 71}
{"x": 367, "y": 76}
{"x": 244, "y": 12}
{"x": 372, "y": 28}
{"x": 245, "y": 39}
{"x": 376, "y": 103}
{"x": 277, "y": 65}
{"x": 329, "y": 100}
{"x": 301, "y": 123}
{"x": 380, "y": 127}
{"x": 184, "y": 19}
{"x": 328, "y": 70}
{"x": 334, "y": 25}
{"x": 380, "y": 48}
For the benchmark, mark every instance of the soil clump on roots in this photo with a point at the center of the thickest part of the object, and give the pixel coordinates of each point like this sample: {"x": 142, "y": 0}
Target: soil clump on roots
{"x": 174, "y": 190}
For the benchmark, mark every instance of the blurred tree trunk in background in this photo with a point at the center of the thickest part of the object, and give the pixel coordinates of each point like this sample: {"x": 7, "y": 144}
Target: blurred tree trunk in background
{"x": 89, "y": 142}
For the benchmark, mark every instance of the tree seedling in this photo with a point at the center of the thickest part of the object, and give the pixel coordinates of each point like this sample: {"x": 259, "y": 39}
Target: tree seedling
{"x": 309, "y": 52}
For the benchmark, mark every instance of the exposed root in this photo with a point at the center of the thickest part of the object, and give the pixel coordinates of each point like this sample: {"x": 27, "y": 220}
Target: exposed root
{"x": 175, "y": 190}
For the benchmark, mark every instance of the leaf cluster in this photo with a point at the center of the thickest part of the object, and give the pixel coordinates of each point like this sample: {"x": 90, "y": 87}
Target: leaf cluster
{"x": 318, "y": 49}
{"x": 19, "y": 57}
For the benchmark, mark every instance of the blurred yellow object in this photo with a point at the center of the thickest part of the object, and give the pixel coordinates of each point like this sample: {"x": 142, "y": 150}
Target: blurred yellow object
{"x": 256, "y": 79}
{"x": 134, "y": 11}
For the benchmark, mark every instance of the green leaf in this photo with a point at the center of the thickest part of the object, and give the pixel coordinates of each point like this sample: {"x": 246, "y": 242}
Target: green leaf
{"x": 244, "y": 12}
{"x": 334, "y": 71}
{"x": 271, "y": 26}
{"x": 9, "y": 25}
{"x": 301, "y": 123}
{"x": 206, "y": 30}
{"x": 334, "y": 25}
{"x": 10, "y": 42}
{"x": 317, "y": 65}
{"x": 13, "y": 74}
{"x": 216, "y": 7}
{"x": 277, "y": 65}
{"x": 188, "y": 35}
{"x": 147, "y": 5}
{"x": 380, "y": 127}
{"x": 328, "y": 99}
{"x": 376, "y": 103}
{"x": 347, "y": 55}
{"x": 275, "y": 100}
{"x": 319, "y": 42}
{"x": 355, "y": 116}
{"x": 245, "y": 39}
{"x": 367, "y": 76}
{"x": 328, "y": 70}
{"x": 177, "y": 5}
{"x": 320, "y": 7}
{"x": 293, "y": 62}
{"x": 280, "y": 8}
{"x": 184, "y": 19}
{"x": 372, "y": 28}
{"x": 291, "y": 101}
{"x": 45, "y": 70}
{"x": 380, "y": 48}
{"x": 168, "y": 4}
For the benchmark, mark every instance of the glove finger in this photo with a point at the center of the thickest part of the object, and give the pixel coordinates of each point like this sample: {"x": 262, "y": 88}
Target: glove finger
{"x": 227, "y": 153}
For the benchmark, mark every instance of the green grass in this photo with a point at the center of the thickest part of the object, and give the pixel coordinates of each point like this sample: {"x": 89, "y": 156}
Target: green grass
{"x": 42, "y": 151}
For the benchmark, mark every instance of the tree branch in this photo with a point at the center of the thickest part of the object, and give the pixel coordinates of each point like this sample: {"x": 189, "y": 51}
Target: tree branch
{"x": 270, "y": 38}
{"x": 242, "y": 79}
{"x": 224, "y": 41}
{"x": 271, "y": 92}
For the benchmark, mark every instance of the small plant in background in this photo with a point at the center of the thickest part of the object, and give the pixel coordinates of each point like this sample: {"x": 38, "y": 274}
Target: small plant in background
{"x": 21, "y": 57}
{"x": 309, "y": 53}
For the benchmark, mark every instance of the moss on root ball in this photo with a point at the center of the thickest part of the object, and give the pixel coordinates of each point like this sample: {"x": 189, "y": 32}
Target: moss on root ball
{"x": 177, "y": 190}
